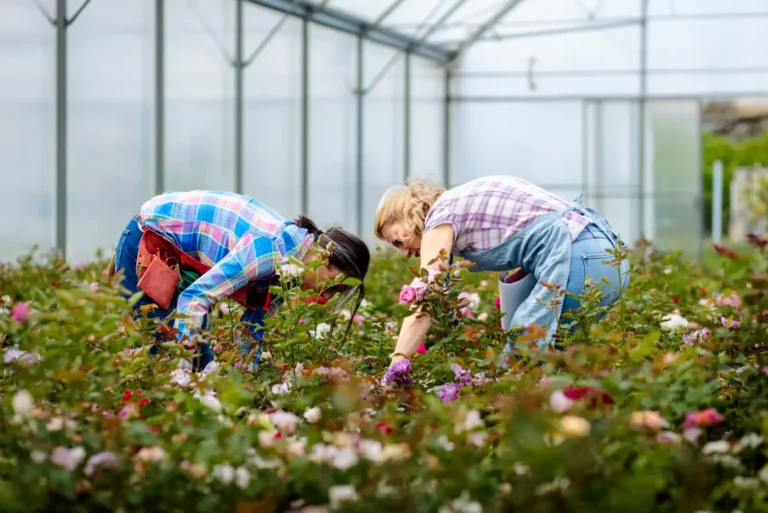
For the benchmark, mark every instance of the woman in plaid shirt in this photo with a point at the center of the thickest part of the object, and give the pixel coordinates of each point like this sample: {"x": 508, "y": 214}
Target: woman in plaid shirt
{"x": 189, "y": 250}
{"x": 503, "y": 223}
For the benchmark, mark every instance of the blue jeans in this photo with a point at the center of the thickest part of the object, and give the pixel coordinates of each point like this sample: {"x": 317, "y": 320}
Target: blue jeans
{"x": 125, "y": 260}
{"x": 588, "y": 256}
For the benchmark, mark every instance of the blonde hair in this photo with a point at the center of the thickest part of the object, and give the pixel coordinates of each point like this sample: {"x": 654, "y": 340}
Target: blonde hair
{"x": 408, "y": 205}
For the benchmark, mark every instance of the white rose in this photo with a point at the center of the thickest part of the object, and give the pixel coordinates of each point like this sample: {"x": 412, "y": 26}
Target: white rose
{"x": 559, "y": 402}
{"x": 313, "y": 414}
{"x": 22, "y": 403}
{"x": 341, "y": 493}
{"x": 671, "y": 322}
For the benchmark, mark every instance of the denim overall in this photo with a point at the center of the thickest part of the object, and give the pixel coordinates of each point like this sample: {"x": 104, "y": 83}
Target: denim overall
{"x": 125, "y": 260}
{"x": 545, "y": 249}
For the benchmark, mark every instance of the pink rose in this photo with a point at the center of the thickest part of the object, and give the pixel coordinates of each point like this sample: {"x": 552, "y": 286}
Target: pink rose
{"x": 94, "y": 286}
{"x": 419, "y": 287}
{"x": 21, "y": 312}
{"x": 708, "y": 417}
{"x": 422, "y": 349}
{"x": 696, "y": 336}
{"x": 407, "y": 295}
{"x": 732, "y": 300}
{"x": 729, "y": 323}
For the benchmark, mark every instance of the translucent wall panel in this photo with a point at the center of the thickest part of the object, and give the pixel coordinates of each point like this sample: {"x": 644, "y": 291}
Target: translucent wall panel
{"x": 111, "y": 122}
{"x": 717, "y": 44}
{"x": 674, "y": 141}
{"x": 511, "y": 67}
{"x": 685, "y": 39}
{"x": 27, "y": 130}
{"x": 427, "y": 118}
{"x": 332, "y": 127}
{"x": 200, "y": 88}
{"x": 611, "y": 160}
{"x": 383, "y": 130}
{"x": 540, "y": 142}
{"x": 272, "y": 112}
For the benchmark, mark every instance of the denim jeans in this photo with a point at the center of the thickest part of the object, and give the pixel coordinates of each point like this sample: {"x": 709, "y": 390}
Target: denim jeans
{"x": 588, "y": 256}
{"x": 125, "y": 260}
{"x": 589, "y": 253}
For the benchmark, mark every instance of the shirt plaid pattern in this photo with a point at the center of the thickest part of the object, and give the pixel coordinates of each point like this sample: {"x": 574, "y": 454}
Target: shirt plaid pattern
{"x": 487, "y": 211}
{"x": 239, "y": 237}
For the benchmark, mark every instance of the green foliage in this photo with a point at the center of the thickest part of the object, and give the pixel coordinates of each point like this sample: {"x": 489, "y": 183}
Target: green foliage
{"x": 638, "y": 412}
{"x": 734, "y": 154}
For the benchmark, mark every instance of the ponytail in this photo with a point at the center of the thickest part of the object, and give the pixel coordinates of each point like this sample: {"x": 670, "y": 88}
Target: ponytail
{"x": 309, "y": 225}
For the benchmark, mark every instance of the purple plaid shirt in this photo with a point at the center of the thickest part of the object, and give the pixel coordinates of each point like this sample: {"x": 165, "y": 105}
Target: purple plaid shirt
{"x": 487, "y": 211}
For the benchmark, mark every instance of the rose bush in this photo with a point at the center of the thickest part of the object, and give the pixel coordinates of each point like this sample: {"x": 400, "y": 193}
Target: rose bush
{"x": 626, "y": 416}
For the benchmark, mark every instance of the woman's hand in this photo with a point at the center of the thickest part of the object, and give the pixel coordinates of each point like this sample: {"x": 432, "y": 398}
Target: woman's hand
{"x": 412, "y": 334}
{"x": 416, "y": 326}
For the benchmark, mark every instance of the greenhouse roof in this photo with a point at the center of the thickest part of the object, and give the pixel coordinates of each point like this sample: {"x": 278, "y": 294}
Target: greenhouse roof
{"x": 437, "y": 29}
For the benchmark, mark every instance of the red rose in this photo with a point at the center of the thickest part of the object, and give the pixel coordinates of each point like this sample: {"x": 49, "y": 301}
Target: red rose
{"x": 596, "y": 397}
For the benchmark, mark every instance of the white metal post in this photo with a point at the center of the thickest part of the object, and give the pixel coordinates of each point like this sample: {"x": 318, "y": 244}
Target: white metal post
{"x": 717, "y": 202}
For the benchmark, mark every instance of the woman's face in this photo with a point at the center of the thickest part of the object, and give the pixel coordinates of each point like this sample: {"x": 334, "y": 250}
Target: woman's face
{"x": 398, "y": 236}
{"x": 320, "y": 275}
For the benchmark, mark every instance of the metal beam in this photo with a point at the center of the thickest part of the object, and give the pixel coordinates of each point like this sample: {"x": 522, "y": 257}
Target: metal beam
{"x": 593, "y": 73}
{"x": 239, "y": 68}
{"x": 617, "y": 98}
{"x": 159, "y": 96}
{"x": 360, "y": 97}
{"x": 440, "y": 23}
{"x": 559, "y": 22}
{"x": 641, "y": 121}
{"x": 482, "y": 29}
{"x": 305, "y": 117}
{"x": 447, "y": 129}
{"x": 407, "y": 119}
{"x": 344, "y": 22}
{"x": 389, "y": 10}
{"x": 61, "y": 127}
{"x": 592, "y": 27}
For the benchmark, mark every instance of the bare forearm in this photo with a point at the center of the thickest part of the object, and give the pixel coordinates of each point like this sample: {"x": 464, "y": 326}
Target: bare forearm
{"x": 412, "y": 334}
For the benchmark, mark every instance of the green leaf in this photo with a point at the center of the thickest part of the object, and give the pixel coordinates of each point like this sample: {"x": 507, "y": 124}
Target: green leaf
{"x": 646, "y": 347}
{"x": 351, "y": 282}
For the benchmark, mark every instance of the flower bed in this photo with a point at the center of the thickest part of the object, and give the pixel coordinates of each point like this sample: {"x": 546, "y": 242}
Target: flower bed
{"x": 661, "y": 406}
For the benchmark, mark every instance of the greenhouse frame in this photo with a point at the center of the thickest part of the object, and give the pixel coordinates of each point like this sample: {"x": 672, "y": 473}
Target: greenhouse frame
{"x": 317, "y": 107}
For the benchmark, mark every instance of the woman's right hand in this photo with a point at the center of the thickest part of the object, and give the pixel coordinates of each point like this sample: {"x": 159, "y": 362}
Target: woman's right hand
{"x": 516, "y": 275}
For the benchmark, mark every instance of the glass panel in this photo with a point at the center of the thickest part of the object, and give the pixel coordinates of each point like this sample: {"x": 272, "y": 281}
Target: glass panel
{"x": 517, "y": 138}
{"x": 383, "y": 160}
{"x": 200, "y": 85}
{"x": 621, "y": 208}
{"x": 611, "y": 164}
{"x": 272, "y": 112}
{"x": 332, "y": 127}
{"x": 427, "y": 118}
{"x": 414, "y": 17}
{"x": 27, "y": 130}
{"x": 674, "y": 142}
{"x": 110, "y": 170}
{"x": 366, "y": 9}
{"x": 464, "y": 20}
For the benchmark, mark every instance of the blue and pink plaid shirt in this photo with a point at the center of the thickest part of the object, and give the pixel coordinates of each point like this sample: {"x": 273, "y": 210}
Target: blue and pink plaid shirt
{"x": 240, "y": 238}
{"x": 487, "y": 211}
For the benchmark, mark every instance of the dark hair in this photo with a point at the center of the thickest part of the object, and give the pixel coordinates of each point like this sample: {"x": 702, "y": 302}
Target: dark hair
{"x": 349, "y": 254}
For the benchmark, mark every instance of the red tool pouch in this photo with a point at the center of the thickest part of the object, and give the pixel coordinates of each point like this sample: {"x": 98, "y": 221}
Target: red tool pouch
{"x": 159, "y": 282}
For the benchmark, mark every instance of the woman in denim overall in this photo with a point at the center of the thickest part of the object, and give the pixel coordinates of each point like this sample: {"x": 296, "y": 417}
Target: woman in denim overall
{"x": 501, "y": 224}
